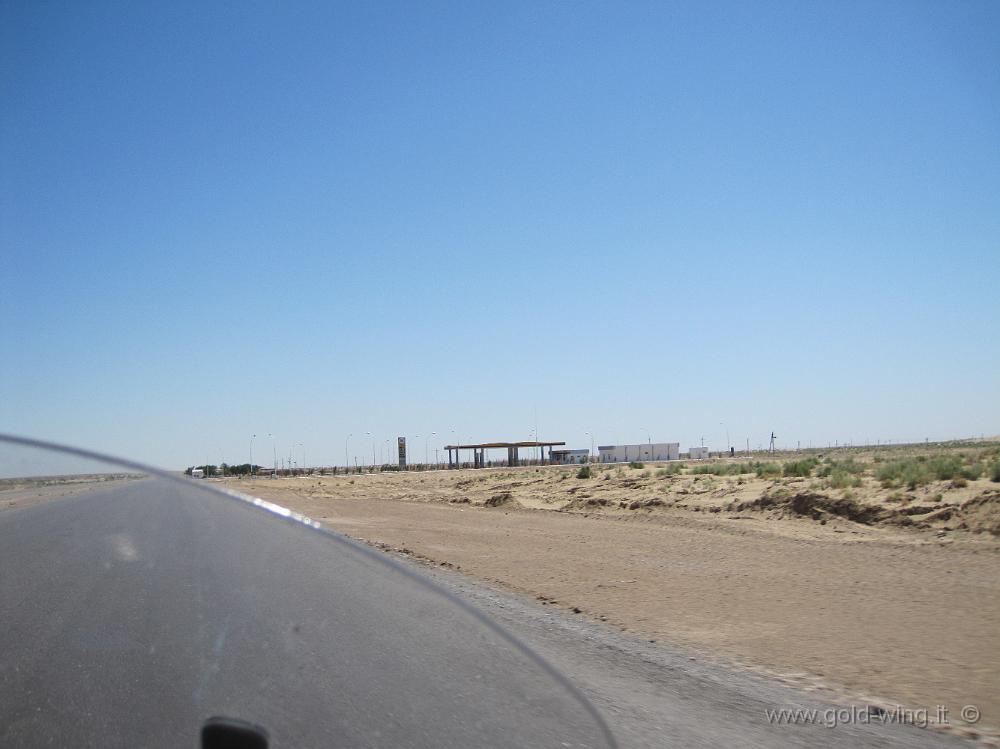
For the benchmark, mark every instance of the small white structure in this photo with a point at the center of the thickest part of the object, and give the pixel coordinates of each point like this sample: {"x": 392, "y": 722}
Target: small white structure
{"x": 569, "y": 457}
{"x": 698, "y": 453}
{"x": 197, "y": 473}
{"x": 642, "y": 451}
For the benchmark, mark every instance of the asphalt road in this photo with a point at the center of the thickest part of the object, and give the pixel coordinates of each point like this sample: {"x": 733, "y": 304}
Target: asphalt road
{"x": 129, "y": 616}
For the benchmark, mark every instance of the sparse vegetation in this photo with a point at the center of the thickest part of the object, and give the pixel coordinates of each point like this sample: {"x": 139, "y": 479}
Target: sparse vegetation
{"x": 908, "y": 472}
{"x": 636, "y": 464}
{"x": 995, "y": 473}
{"x": 725, "y": 469}
{"x": 850, "y": 466}
{"x": 843, "y": 479}
{"x": 799, "y": 468}
{"x": 922, "y": 470}
{"x": 946, "y": 467}
{"x": 584, "y": 473}
{"x": 768, "y": 470}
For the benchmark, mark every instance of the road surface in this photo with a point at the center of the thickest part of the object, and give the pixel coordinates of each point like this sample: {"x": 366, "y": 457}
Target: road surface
{"x": 131, "y": 615}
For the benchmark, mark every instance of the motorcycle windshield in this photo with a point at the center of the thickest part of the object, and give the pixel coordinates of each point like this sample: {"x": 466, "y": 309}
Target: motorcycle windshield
{"x": 137, "y": 604}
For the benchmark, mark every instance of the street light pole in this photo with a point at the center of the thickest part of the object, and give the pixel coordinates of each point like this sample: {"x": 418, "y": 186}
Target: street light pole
{"x": 347, "y": 457}
{"x": 251, "y": 456}
{"x": 432, "y": 434}
{"x": 274, "y": 457}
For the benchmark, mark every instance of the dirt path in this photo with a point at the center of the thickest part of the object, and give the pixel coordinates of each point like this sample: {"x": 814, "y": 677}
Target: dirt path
{"x": 913, "y": 623}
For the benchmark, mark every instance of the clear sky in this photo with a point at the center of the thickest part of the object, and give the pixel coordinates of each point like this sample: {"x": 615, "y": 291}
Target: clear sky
{"x": 638, "y": 220}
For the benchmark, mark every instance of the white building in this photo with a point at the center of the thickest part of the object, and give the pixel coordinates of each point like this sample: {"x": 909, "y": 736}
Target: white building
{"x": 642, "y": 451}
{"x": 567, "y": 457}
{"x": 698, "y": 453}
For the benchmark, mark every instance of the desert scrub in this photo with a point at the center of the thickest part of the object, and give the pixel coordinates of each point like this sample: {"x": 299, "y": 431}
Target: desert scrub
{"x": 841, "y": 479}
{"x": 636, "y": 464}
{"x": 726, "y": 469}
{"x": 671, "y": 470}
{"x": 768, "y": 470}
{"x": 799, "y": 468}
{"x": 911, "y": 473}
{"x": 584, "y": 473}
{"x": 850, "y": 466}
{"x": 945, "y": 467}
{"x": 995, "y": 473}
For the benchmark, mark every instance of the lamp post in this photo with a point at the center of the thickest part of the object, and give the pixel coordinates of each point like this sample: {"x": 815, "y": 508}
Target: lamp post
{"x": 347, "y": 457}
{"x": 251, "y": 456}
{"x": 728, "y": 445}
{"x": 432, "y": 434}
{"x": 373, "y": 450}
{"x": 303, "y": 456}
{"x": 649, "y": 437}
{"x": 274, "y": 457}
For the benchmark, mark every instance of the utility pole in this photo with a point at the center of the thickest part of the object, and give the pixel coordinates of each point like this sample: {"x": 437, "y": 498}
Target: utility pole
{"x": 251, "y": 456}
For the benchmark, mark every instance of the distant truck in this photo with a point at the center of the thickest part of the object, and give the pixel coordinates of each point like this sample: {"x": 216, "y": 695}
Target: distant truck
{"x": 197, "y": 473}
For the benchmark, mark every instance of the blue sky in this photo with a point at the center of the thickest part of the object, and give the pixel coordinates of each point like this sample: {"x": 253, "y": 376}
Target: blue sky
{"x": 635, "y": 220}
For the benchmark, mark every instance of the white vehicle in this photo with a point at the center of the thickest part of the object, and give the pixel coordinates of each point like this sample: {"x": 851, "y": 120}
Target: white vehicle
{"x": 197, "y": 473}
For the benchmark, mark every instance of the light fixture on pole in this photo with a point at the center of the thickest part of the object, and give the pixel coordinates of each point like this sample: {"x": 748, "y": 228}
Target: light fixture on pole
{"x": 274, "y": 457}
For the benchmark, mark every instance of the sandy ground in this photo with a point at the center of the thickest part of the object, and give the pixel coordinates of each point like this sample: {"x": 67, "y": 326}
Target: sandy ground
{"x": 896, "y": 613}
